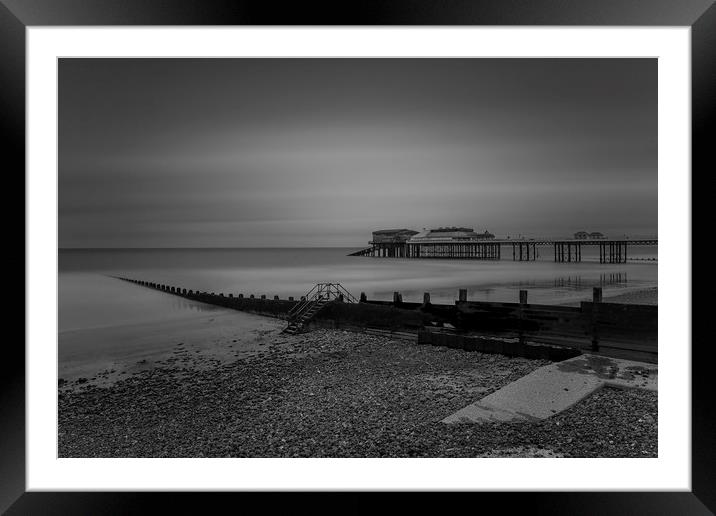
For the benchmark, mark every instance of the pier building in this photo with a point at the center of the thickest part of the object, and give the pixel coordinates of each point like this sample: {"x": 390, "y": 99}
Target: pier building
{"x": 461, "y": 242}
{"x": 390, "y": 243}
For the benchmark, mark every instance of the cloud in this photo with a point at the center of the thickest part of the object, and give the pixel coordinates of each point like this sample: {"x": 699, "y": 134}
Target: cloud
{"x": 313, "y": 152}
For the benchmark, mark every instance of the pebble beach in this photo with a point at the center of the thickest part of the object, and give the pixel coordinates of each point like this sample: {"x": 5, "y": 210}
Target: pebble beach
{"x": 331, "y": 393}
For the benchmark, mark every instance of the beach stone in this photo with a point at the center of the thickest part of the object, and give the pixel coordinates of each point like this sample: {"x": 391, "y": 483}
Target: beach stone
{"x": 372, "y": 397}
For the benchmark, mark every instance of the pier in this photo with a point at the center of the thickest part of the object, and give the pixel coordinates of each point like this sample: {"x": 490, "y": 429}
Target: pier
{"x": 570, "y": 250}
{"x": 611, "y": 251}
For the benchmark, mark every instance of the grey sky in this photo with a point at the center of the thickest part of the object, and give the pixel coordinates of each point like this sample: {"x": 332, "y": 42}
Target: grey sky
{"x": 320, "y": 152}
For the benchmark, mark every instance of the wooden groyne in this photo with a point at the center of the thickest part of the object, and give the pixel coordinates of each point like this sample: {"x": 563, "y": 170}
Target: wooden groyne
{"x": 612, "y": 329}
{"x": 615, "y": 329}
{"x": 256, "y": 304}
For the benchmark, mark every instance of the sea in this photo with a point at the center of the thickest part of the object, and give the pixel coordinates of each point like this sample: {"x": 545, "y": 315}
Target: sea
{"x": 90, "y": 297}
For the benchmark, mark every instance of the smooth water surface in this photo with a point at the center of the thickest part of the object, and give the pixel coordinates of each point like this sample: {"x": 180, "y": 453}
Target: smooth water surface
{"x": 89, "y": 297}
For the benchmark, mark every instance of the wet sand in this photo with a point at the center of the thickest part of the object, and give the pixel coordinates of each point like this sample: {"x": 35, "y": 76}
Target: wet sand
{"x": 647, "y": 296}
{"x": 101, "y": 356}
{"x": 633, "y": 296}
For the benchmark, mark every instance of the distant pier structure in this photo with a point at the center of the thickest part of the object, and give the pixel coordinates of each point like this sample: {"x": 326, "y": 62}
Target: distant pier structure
{"x": 453, "y": 242}
{"x": 390, "y": 243}
{"x": 448, "y": 242}
{"x": 465, "y": 243}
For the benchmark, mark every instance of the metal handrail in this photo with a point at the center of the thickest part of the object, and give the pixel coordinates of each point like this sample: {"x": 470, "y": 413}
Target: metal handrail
{"x": 336, "y": 290}
{"x": 299, "y": 307}
{"x": 305, "y": 308}
{"x": 320, "y": 291}
{"x": 348, "y": 296}
{"x": 304, "y": 302}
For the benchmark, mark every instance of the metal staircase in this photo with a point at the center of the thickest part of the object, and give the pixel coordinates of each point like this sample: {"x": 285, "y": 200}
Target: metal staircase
{"x": 314, "y": 300}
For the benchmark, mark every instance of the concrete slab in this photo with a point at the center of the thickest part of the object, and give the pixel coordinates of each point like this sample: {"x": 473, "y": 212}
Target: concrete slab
{"x": 556, "y": 387}
{"x": 614, "y": 372}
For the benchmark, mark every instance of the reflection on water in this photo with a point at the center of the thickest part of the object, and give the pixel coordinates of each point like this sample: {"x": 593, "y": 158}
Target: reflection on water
{"x": 614, "y": 278}
{"x": 181, "y": 304}
{"x": 578, "y": 282}
{"x": 92, "y": 300}
{"x": 88, "y": 297}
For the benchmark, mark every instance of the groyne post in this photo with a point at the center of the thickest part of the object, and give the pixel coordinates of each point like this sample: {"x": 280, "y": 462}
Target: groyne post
{"x": 596, "y": 299}
{"x": 523, "y": 302}
{"x": 523, "y": 297}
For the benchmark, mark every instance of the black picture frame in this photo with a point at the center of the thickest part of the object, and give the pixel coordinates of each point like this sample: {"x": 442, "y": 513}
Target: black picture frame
{"x": 17, "y": 15}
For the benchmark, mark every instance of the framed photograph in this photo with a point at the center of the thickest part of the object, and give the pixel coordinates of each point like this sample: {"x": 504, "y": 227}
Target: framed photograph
{"x": 410, "y": 248}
